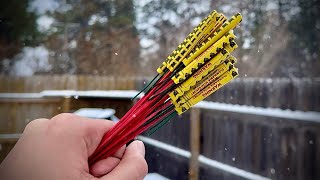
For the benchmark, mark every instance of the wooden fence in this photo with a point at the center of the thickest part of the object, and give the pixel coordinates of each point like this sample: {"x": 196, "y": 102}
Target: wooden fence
{"x": 301, "y": 94}
{"x": 17, "y": 112}
{"x": 274, "y": 147}
{"x": 271, "y": 146}
{"x": 295, "y": 94}
{"x": 35, "y": 84}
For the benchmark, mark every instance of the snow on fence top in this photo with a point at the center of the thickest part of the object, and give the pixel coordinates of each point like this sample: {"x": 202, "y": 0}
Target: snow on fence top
{"x": 128, "y": 94}
{"x": 20, "y": 95}
{"x": 270, "y": 112}
{"x": 123, "y": 94}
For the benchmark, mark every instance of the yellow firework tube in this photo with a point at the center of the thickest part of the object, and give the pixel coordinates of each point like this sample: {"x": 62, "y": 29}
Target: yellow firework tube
{"x": 192, "y": 42}
{"x": 231, "y": 46}
{"x": 193, "y": 67}
{"x": 225, "y": 28}
{"x": 210, "y": 78}
{"x": 219, "y": 20}
{"x": 186, "y": 42}
{"x": 231, "y": 59}
{"x": 217, "y": 84}
{"x": 170, "y": 57}
{"x": 215, "y": 48}
{"x": 207, "y": 73}
{"x": 206, "y": 69}
{"x": 202, "y": 78}
{"x": 205, "y": 57}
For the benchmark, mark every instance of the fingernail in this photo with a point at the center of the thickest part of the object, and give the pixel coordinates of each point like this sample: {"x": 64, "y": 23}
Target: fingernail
{"x": 141, "y": 147}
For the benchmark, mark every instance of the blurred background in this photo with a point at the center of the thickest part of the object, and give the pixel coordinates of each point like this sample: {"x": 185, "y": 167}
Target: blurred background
{"x": 62, "y": 55}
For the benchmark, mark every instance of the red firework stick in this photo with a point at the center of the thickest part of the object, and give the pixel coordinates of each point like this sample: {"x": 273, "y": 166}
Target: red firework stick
{"x": 156, "y": 108}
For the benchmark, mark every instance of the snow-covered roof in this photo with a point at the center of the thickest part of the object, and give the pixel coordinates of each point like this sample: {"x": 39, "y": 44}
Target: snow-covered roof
{"x": 96, "y": 113}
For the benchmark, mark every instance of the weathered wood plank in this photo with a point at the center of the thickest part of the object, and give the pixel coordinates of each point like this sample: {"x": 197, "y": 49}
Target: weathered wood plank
{"x": 194, "y": 143}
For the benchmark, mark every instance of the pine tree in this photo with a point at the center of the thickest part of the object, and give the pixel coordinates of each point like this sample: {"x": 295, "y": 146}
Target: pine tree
{"x": 106, "y": 38}
{"x": 18, "y": 28}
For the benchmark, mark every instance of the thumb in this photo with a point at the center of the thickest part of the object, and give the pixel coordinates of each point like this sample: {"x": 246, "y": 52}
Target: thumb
{"x": 132, "y": 165}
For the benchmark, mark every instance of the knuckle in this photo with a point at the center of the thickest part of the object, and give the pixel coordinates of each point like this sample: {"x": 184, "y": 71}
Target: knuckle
{"x": 35, "y": 124}
{"x": 62, "y": 119}
{"x": 60, "y": 122}
{"x": 64, "y": 116}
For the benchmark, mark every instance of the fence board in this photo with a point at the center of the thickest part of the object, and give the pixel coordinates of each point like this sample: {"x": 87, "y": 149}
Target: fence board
{"x": 296, "y": 94}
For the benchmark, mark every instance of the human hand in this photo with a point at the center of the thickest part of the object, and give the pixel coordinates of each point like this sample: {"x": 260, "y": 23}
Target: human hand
{"x": 59, "y": 149}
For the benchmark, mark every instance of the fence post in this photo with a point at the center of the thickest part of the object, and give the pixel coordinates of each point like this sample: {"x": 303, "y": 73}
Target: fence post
{"x": 194, "y": 143}
{"x": 66, "y": 103}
